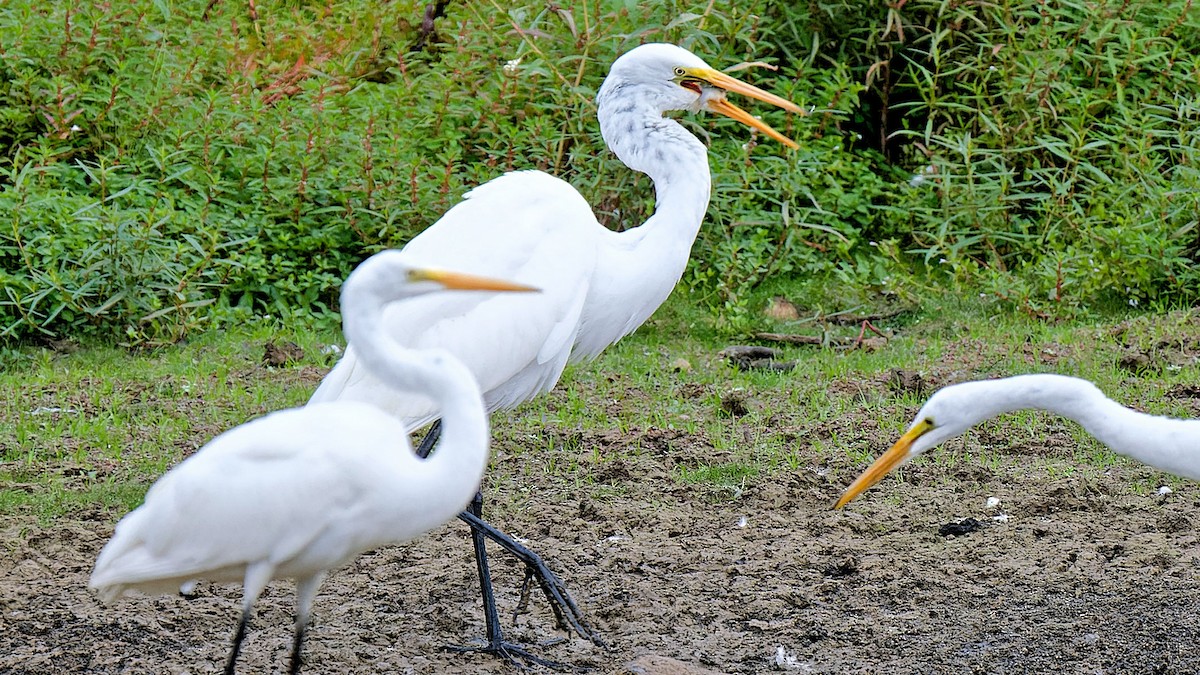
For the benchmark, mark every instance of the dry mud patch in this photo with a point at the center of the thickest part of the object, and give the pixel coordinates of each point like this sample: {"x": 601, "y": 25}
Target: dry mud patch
{"x": 1088, "y": 571}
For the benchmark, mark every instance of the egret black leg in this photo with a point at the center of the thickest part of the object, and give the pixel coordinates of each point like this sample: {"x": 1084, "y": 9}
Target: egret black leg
{"x": 297, "y": 643}
{"x": 565, "y": 610}
{"x": 306, "y": 592}
{"x": 495, "y": 643}
{"x": 240, "y": 635}
{"x": 430, "y": 439}
{"x": 495, "y": 635}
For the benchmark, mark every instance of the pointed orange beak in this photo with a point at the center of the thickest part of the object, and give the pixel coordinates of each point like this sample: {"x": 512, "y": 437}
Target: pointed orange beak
{"x": 469, "y": 282}
{"x": 889, "y": 460}
{"x": 723, "y": 107}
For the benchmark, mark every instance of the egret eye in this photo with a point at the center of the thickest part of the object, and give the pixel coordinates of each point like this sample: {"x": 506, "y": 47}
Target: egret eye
{"x": 679, "y": 71}
{"x": 929, "y": 422}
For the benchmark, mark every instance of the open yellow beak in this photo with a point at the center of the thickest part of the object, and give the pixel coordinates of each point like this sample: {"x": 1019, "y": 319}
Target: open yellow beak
{"x": 886, "y": 462}
{"x": 723, "y": 107}
{"x": 468, "y": 282}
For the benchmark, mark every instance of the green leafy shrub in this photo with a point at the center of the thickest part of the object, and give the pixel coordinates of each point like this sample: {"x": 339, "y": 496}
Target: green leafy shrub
{"x": 1054, "y": 145}
{"x": 162, "y": 168}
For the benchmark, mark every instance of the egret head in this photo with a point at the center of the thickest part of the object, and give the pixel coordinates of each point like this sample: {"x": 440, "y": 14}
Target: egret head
{"x": 393, "y": 275}
{"x": 677, "y": 79}
{"x": 948, "y": 413}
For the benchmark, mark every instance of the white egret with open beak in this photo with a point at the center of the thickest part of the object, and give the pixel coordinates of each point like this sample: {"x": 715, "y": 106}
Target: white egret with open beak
{"x": 599, "y": 285}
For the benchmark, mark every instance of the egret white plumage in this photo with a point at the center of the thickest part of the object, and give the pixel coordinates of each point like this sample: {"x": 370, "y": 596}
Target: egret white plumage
{"x": 298, "y": 492}
{"x": 600, "y": 285}
{"x": 1169, "y": 444}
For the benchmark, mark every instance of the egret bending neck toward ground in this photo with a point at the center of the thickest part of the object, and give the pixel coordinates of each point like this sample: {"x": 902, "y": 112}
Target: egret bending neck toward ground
{"x": 1169, "y": 444}
{"x": 298, "y": 492}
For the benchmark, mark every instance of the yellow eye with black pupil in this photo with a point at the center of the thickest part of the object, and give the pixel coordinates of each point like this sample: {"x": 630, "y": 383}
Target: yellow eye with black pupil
{"x": 680, "y": 72}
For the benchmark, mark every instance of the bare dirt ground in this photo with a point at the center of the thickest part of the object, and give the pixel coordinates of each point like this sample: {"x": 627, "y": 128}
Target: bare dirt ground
{"x": 1074, "y": 571}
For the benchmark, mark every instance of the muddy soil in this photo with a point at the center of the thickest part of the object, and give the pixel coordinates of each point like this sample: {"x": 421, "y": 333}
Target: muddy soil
{"x": 1075, "y": 570}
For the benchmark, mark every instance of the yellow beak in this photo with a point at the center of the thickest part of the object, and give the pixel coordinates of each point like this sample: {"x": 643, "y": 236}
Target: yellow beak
{"x": 886, "y": 462}
{"x": 468, "y": 282}
{"x": 723, "y": 107}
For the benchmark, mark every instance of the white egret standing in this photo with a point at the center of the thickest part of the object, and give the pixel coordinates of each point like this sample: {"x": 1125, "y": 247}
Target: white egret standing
{"x": 600, "y": 285}
{"x": 1172, "y": 445}
{"x": 298, "y": 492}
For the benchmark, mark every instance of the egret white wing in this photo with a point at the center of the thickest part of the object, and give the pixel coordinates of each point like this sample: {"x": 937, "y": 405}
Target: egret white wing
{"x": 263, "y": 491}
{"x": 516, "y": 345}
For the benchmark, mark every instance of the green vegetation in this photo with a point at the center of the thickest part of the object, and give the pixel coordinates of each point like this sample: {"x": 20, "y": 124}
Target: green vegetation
{"x": 163, "y": 168}
{"x": 91, "y": 429}
{"x": 165, "y": 171}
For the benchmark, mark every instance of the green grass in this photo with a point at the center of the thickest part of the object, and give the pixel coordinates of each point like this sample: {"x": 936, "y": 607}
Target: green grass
{"x": 836, "y": 408}
{"x": 95, "y": 426}
{"x": 126, "y": 417}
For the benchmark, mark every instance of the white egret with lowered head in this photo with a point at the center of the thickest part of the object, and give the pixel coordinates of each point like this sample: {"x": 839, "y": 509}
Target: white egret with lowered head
{"x": 296, "y": 493}
{"x": 599, "y": 285}
{"x": 1169, "y": 444}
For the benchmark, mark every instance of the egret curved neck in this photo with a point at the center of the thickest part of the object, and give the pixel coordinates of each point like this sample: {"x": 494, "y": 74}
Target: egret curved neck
{"x": 1169, "y": 444}
{"x": 642, "y": 265}
{"x": 1172, "y": 445}
{"x": 463, "y": 445}
{"x": 635, "y": 129}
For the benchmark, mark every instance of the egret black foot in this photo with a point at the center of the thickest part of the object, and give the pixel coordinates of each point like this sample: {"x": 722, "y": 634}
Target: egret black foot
{"x": 567, "y": 614}
{"x": 520, "y": 656}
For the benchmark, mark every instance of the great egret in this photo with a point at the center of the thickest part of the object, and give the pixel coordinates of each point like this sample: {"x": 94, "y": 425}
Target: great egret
{"x": 1172, "y": 445}
{"x": 600, "y": 285}
{"x": 299, "y": 492}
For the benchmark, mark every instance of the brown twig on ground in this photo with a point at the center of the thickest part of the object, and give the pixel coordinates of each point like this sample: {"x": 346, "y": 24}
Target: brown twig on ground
{"x": 866, "y": 324}
{"x": 846, "y": 319}
{"x": 828, "y": 340}
{"x": 793, "y": 339}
